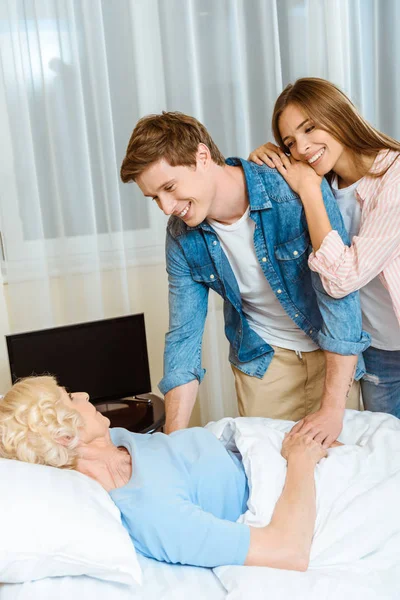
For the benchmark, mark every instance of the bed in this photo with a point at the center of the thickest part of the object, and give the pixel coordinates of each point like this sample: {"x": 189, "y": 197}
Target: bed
{"x": 355, "y": 552}
{"x": 160, "y": 582}
{"x": 62, "y": 537}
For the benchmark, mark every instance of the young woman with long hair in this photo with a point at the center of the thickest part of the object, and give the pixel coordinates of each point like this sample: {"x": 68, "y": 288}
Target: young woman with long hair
{"x": 320, "y": 133}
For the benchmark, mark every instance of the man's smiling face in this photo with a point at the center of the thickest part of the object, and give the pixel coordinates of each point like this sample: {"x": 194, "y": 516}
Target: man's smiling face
{"x": 186, "y": 192}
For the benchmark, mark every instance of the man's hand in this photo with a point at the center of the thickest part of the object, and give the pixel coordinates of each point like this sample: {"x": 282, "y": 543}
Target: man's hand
{"x": 336, "y": 444}
{"x": 324, "y": 426}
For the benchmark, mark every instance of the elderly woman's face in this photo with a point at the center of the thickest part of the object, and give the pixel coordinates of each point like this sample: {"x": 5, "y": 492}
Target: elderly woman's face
{"x": 96, "y": 425}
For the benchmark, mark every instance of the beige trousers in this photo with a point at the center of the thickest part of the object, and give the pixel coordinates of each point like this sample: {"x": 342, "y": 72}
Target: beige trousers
{"x": 291, "y": 388}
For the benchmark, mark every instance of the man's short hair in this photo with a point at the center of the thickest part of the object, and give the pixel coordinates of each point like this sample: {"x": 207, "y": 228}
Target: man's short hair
{"x": 172, "y": 136}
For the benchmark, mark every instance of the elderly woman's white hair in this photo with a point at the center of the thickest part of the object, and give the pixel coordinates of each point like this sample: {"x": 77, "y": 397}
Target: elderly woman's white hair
{"x": 34, "y": 420}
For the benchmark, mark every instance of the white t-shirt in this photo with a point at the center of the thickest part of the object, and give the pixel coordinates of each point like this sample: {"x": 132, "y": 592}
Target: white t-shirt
{"x": 263, "y": 310}
{"x": 379, "y": 318}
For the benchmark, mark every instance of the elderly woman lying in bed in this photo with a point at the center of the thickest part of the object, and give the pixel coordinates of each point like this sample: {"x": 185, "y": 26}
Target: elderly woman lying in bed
{"x": 179, "y": 495}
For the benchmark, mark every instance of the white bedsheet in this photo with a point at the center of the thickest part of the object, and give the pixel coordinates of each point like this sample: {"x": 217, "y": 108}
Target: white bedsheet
{"x": 356, "y": 550}
{"x": 356, "y": 547}
{"x": 160, "y": 582}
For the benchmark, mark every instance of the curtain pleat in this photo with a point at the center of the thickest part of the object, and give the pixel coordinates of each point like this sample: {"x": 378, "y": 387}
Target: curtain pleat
{"x": 76, "y": 75}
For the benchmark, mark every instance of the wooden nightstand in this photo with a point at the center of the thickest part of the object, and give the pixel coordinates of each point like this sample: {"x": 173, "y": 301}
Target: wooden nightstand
{"x": 141, "y": 414}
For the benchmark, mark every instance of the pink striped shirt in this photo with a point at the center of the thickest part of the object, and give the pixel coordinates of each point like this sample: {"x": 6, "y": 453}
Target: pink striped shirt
{"x": 376, "y": 248}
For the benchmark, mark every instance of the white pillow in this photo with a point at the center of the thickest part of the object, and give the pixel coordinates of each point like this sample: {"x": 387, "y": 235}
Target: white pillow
{"x": 55, "y": 522}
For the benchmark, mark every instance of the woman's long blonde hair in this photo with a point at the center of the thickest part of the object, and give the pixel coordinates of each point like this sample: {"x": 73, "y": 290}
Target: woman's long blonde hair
{"x": 330, "y": 109}
{"x": 33, "y": 420}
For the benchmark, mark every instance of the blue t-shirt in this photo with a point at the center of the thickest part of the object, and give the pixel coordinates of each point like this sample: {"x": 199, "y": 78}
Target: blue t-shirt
{"x": 184, "y": 496}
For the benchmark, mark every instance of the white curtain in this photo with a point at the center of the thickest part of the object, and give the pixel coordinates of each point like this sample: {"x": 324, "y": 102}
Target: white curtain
{"x": 76, "y": 75}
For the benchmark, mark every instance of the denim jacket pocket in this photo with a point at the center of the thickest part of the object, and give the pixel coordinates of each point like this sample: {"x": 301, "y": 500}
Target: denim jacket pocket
{"x": 207, "y": 275}
{"x": 293, "y": 257}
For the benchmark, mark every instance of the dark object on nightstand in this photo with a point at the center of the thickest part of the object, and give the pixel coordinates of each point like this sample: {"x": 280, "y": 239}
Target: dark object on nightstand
{"x": 107, "y": 359}
{"x": 140, "y": 414}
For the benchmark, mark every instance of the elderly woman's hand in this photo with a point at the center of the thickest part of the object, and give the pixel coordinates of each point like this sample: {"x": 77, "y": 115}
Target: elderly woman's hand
{"x": 296, "y": 445}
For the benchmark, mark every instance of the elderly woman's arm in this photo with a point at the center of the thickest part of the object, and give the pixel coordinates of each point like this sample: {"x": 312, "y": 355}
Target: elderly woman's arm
{"x": 286, "y": 542}
{"x": 175, "y": 529}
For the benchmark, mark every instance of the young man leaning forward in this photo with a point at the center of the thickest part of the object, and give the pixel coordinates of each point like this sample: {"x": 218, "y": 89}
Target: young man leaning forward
{"x": 237, "y": 228}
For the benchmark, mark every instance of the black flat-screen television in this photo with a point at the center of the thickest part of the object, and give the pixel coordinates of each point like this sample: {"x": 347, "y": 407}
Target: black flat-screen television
{"x": 107, "y": 358}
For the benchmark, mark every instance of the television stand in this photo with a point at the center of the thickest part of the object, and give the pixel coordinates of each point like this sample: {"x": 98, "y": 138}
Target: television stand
{"x": 144, "y": 413}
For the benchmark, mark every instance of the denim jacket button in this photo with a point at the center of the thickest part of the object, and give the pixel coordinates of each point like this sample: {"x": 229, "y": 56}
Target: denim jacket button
{"x": 264, "y": 259}
{"x": 296, "y": 315}
{"x": 295, "y": 253}
{"x": 279, "y": 291}
{"x": 215, "y": 242}
{"x": 212, "y": 276}
{"x": 310, "y": 331}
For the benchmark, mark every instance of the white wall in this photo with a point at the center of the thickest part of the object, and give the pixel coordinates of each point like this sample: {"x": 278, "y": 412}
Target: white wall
{"x": 147, "y": 291}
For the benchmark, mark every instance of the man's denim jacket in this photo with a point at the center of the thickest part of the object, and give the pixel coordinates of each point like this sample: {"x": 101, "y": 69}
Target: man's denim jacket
{"x": 196, "y": 263}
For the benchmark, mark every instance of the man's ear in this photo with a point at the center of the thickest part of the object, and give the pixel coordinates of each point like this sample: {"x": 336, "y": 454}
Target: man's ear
{"x": 203, "y": 156}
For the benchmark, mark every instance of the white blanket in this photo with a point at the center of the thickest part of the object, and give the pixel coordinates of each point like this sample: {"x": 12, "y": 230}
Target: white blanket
{"x": 356, "y": 546}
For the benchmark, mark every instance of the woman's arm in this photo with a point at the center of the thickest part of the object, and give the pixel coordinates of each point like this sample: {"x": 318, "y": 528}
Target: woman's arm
{"x": 171, "y": 528}
{"x": 286, "y": 542}
{"x": 317, "y": 218}
{"x": 344, "y": 269}
{"x": 304, "y": 181}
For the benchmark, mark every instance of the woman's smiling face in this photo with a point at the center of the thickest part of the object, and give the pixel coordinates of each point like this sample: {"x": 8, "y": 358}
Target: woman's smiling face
{"x": 308, "y": 143}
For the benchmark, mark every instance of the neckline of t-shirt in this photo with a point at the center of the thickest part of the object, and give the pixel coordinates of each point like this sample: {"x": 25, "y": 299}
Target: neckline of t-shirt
{"x": 121, "y": 442}
{"x": 232, "y": 226}
{"x": 343, "y": 191}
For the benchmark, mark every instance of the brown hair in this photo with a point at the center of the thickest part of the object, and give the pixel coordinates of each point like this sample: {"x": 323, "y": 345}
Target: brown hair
{"x": 330, "y": 109}
{"x": 172, "y": 136}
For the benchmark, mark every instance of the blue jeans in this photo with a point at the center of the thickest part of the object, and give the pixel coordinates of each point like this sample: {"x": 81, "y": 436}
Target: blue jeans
{"x": 380, "y": 385}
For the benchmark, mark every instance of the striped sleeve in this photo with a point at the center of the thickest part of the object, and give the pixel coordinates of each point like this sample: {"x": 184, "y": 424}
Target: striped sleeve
{"x": 344, "y": 269}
